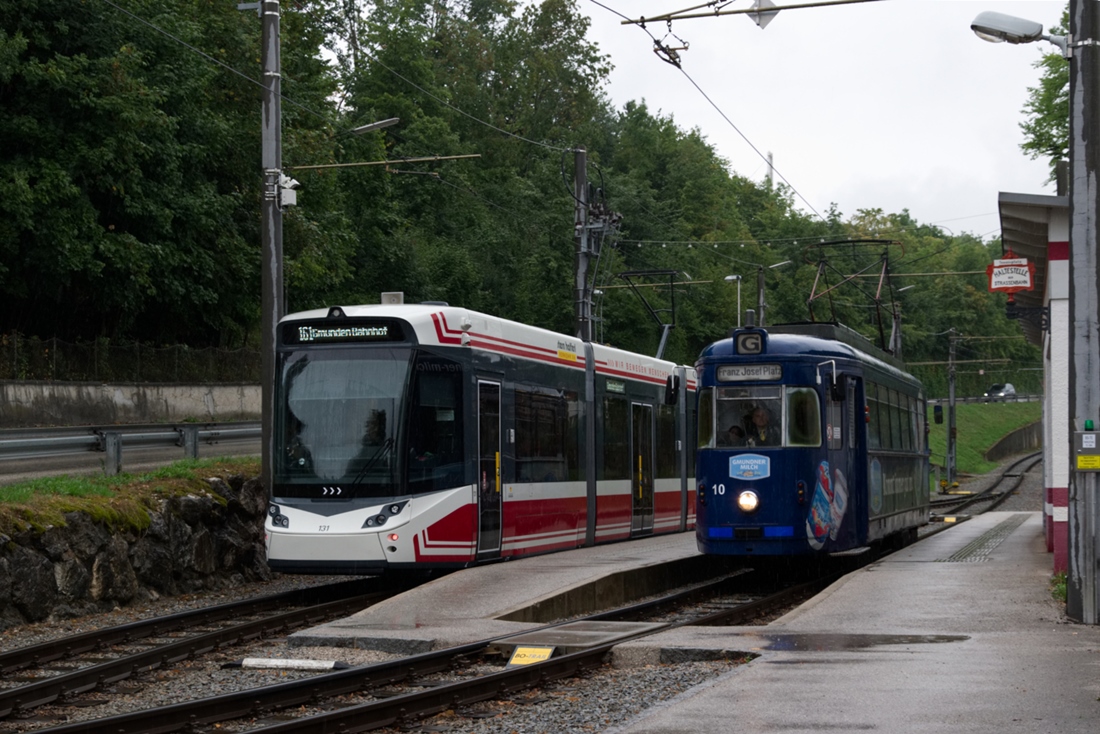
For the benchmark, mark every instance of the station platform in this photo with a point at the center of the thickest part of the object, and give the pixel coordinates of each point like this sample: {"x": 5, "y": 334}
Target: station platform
{"x": 514, "y": 597}
{"x": 957, "y": 633}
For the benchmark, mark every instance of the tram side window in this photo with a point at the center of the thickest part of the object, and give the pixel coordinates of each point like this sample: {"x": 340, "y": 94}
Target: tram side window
{"x": 616, "y": 438}
{"x": 435, "y": 427}
{"x": 897, "y": 421}
{"x": 546, "y": 442}
{"x": 886, "y": 422}
{"x": 907, "y": 421}
{"x": 704, "y": 433}
{"x": 917, "y": 413}
{"x": 874, "y": 422}
{"x": 803, "y": 417}
{"x": 666, "y": 442}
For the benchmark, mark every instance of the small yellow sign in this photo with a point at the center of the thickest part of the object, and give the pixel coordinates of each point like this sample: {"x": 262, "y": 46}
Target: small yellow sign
{"x": 528, "y": 655}
{"x": 1088, "y": 461}
{"x": 567, "y": 356}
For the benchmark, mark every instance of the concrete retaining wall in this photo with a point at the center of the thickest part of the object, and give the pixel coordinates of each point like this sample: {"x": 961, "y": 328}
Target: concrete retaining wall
{"x": 1020, "y": 441}
{"x": 28, "y": 404}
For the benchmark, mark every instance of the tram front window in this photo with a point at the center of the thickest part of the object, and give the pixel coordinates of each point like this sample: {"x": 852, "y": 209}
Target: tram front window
{"x": 756, "y": 416}
{"x": 338, "y": 415}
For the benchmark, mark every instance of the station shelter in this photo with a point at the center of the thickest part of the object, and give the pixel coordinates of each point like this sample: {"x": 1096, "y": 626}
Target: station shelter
{"x": 1036, "y": 227}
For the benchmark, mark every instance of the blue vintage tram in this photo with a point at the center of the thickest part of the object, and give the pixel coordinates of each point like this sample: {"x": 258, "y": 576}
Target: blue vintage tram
{"x": 810, "y": 441}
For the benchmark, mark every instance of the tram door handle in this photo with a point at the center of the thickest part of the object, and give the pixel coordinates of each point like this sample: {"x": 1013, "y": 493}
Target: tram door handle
{"x": 498, "y": 471}
{"x": 640, "y": 482}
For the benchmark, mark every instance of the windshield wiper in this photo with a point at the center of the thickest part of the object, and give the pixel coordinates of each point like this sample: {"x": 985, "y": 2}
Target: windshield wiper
{"x": 384, "y": 449}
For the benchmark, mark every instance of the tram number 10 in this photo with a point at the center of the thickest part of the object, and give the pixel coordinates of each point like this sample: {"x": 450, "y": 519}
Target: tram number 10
{"x": 718, "y": 489}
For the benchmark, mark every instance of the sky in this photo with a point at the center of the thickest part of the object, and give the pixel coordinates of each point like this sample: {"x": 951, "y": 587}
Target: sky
{"x": 893, "y": 104}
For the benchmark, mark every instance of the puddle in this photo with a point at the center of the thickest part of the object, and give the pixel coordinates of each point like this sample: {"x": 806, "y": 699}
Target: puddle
{"x": 843, "y": 642}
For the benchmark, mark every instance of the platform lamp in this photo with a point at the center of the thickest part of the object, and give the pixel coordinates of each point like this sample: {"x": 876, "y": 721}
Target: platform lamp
{"x": 1079, "y": 47}
{"x": 730, "y": 279}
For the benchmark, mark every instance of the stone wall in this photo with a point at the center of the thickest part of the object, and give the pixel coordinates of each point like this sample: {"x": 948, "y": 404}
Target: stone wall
{"x": 25, "y": 404}
{"x": 193, "y": 543}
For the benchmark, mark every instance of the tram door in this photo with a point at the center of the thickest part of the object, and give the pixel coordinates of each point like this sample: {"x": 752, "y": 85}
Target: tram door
{"x": 641, "y": 468}
{"x": 488, "y": 470}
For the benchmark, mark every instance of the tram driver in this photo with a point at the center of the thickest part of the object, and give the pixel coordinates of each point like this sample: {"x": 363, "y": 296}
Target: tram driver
{"x": 762, "y": 432}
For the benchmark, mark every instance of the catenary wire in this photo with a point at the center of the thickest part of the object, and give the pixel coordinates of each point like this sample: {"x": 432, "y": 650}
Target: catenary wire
{"x": 721, "y": 113}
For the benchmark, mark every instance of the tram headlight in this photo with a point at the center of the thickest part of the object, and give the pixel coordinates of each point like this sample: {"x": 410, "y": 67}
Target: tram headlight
{"x": 748, "y": 501}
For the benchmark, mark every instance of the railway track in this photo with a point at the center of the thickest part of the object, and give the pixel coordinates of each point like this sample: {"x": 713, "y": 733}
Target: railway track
{"x": 992, "y": 496}
{"x": 404, "y": 690}
{"x": 62, "y": 668}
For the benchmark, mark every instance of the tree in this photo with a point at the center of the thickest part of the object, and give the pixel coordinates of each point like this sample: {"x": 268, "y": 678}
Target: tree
{"x": 1046, "y": 127}
{"x": 129, "y": 174}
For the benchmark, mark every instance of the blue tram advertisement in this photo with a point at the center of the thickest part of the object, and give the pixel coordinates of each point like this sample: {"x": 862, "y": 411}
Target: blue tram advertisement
{"x": 810, "y": 441}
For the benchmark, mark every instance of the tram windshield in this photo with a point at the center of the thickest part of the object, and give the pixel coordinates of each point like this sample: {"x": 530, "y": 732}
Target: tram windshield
{"x": 356, "y": 422}
{"x": 760, "y": 416}
{"x": 338, "y": 415}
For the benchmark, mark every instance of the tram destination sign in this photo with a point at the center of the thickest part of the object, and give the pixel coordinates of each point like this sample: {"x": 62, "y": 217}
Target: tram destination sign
{"x": 749, "y": 372}
{"x": 327, "y": 331}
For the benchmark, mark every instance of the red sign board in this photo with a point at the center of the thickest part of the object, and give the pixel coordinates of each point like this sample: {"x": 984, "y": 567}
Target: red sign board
{"x": 1011, "y": 275}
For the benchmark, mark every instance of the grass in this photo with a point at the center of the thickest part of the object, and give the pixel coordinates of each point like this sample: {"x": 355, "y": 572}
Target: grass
{"x": 978, "y": 427}
{"x": 1058, "y": 587}
{"x": 120, "y": 502}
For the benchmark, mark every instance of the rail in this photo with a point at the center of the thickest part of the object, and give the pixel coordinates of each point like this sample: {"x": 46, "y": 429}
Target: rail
{"x": 983, "y": 399}
{"x": 35, "y": 443}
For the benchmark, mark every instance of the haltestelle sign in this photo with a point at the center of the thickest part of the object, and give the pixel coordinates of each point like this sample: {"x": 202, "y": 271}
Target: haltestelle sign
{"x": 1011, "y": 275}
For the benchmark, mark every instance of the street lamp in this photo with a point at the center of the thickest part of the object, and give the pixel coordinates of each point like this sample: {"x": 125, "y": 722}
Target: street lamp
{"x": 730, "y": 279}
{"x": 1001, "y": 28}
{"x": 1083, "y": 522}
{"x": 374, "y": 126}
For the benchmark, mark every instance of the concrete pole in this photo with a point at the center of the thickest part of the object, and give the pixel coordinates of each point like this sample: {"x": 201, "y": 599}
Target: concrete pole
{"x": 760, "y": 305}
{"x": 582, "y": 299}
{"x": 1084, "y": 376}
{"x": 951, "y": 433}
{"x": 271, "y": 230}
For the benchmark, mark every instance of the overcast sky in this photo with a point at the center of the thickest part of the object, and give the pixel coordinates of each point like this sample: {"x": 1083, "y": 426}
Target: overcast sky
{"x": 894, "y": 104}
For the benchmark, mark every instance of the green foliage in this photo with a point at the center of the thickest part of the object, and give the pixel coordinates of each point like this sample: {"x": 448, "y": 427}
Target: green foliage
{"x": 1046, "y": 127}
{"x": 130, "y": 187}
{"x": 979, "y": 426}
{"x": 119, "y": 502}
{"x": 1058, "y": 587}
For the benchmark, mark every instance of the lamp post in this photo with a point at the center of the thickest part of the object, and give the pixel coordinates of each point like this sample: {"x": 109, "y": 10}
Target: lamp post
{"x": 760, "y": 287}
{"x": 1079, "y": 47}
{"x": 730, "y": 279}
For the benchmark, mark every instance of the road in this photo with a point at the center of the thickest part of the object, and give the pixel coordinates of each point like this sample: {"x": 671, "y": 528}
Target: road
{"x": 135, "y": 460}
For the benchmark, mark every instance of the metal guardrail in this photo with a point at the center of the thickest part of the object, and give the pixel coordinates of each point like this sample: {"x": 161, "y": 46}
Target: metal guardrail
{"x": 983, "y": 399}
{"x": 33, "y": 443}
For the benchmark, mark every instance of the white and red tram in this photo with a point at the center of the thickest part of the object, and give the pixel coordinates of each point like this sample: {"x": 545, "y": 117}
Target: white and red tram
{"x": 426, "y": 436}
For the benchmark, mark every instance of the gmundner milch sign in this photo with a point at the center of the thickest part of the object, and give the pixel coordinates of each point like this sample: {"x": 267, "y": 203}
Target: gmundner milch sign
{"x": 1011, "y": 275}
